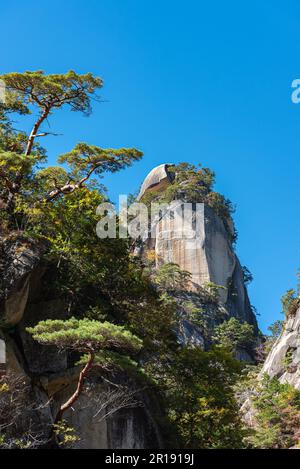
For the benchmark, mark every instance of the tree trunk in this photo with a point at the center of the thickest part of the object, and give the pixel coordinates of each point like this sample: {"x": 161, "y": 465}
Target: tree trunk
{"x": 78, "y": 390}
{"x": 36, "y": 127}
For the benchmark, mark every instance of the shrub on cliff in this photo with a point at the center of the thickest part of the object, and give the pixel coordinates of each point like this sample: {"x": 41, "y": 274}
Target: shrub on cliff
{"x": 290, "y": 303}
{"x": 277, "y": 417}
{"x": 233, "y": 334}
{"x": 170, "y": 277}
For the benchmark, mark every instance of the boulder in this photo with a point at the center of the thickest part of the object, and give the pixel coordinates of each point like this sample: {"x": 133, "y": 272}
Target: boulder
{"x": 158, "y": 179}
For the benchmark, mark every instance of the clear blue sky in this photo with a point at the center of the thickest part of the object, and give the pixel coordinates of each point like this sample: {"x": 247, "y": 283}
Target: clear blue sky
{"x": 189, "y": 81}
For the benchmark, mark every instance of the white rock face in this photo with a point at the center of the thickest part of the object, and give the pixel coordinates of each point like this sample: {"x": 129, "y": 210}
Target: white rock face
{"x": 158, "y": 178}
{"x": 283, "y": 360}
{"x": 198, "y": 245}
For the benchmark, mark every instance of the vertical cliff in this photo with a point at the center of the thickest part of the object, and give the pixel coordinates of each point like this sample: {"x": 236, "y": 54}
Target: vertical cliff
{"x": 195, "y": 237}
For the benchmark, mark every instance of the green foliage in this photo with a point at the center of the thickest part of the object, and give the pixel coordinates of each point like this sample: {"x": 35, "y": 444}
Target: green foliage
{"x": 190, "y": 183}
{"x": 277, "y": 415}
{"x": 154, "y": 320}
{"x": 199, "y": 399}
{"x": 276, "y": 329}
{"x": 204, "y": 315}
{"x": 49, "y": 178}
{"x": 288, "y": 359}
{"x": 65, "y": 435}
{"x": 51, "y": 91}
{"x": 195, "y": 185}
{"x": 25, "y": 189}
{"x": 210, "y": 292}
{"x": 233, "y": 334}
{"x": 107, "y": 361}
{"x": 85, "y": 158}
{"x": 170, "y": 277}
{"x": 290, "y": 303}
{"x": 84, "y": 335}
{"x": 247, "y": 275}
{"x": 82, "y": 259}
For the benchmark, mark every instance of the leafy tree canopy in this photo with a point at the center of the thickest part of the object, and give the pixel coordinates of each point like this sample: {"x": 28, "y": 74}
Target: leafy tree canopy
{"x": 170, "y": 277}
{"x": 200, "y": 401}
{"x": 233, "y": 334}
{"x": 22, "y": 179}
{"x": 84, "y": 335}
{"x": 50, "y": 91}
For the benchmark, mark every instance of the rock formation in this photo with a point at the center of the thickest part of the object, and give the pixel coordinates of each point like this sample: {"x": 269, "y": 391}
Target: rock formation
{"x": 24, "y": 303}
{"x": 283, "y": 361}
{"x": 196, "y": 239}
{"x": 158, "y": 179}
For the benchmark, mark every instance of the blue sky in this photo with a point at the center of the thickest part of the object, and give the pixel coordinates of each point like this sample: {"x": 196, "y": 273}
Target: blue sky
{"x": 189, "y": 81}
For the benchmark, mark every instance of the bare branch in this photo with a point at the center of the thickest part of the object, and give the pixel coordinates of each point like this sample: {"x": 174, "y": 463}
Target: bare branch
{"x": 44, "y": 134}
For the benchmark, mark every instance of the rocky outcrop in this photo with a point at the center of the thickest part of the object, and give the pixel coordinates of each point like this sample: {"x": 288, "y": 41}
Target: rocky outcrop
{"x": 40, "y": 360}
{"x": 189, "y": 334}
{"x": 50, "y": 374}
{"x": 283, "y": 361}
{"x": 127, "y": 428}
{"x": 158, "y": 179}
{"x": 19, "y": 257}
{"x": 195, "y": 237}
{"x": 121, "y": 423}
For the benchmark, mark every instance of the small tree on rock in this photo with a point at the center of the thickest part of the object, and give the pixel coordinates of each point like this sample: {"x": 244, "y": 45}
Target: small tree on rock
{"x": 233, "y": 334}
{"x": 87, "y": 337}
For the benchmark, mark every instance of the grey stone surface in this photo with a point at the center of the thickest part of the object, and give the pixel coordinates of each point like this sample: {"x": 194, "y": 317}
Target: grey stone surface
{"x": 196, "y": 239}
{"x": 125, "y": 428}
{"x": 41, "y": 359}
{"x": 283, "y": 360}
{"x": 188, "y": 334}
{"x": 19, "y": 257}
